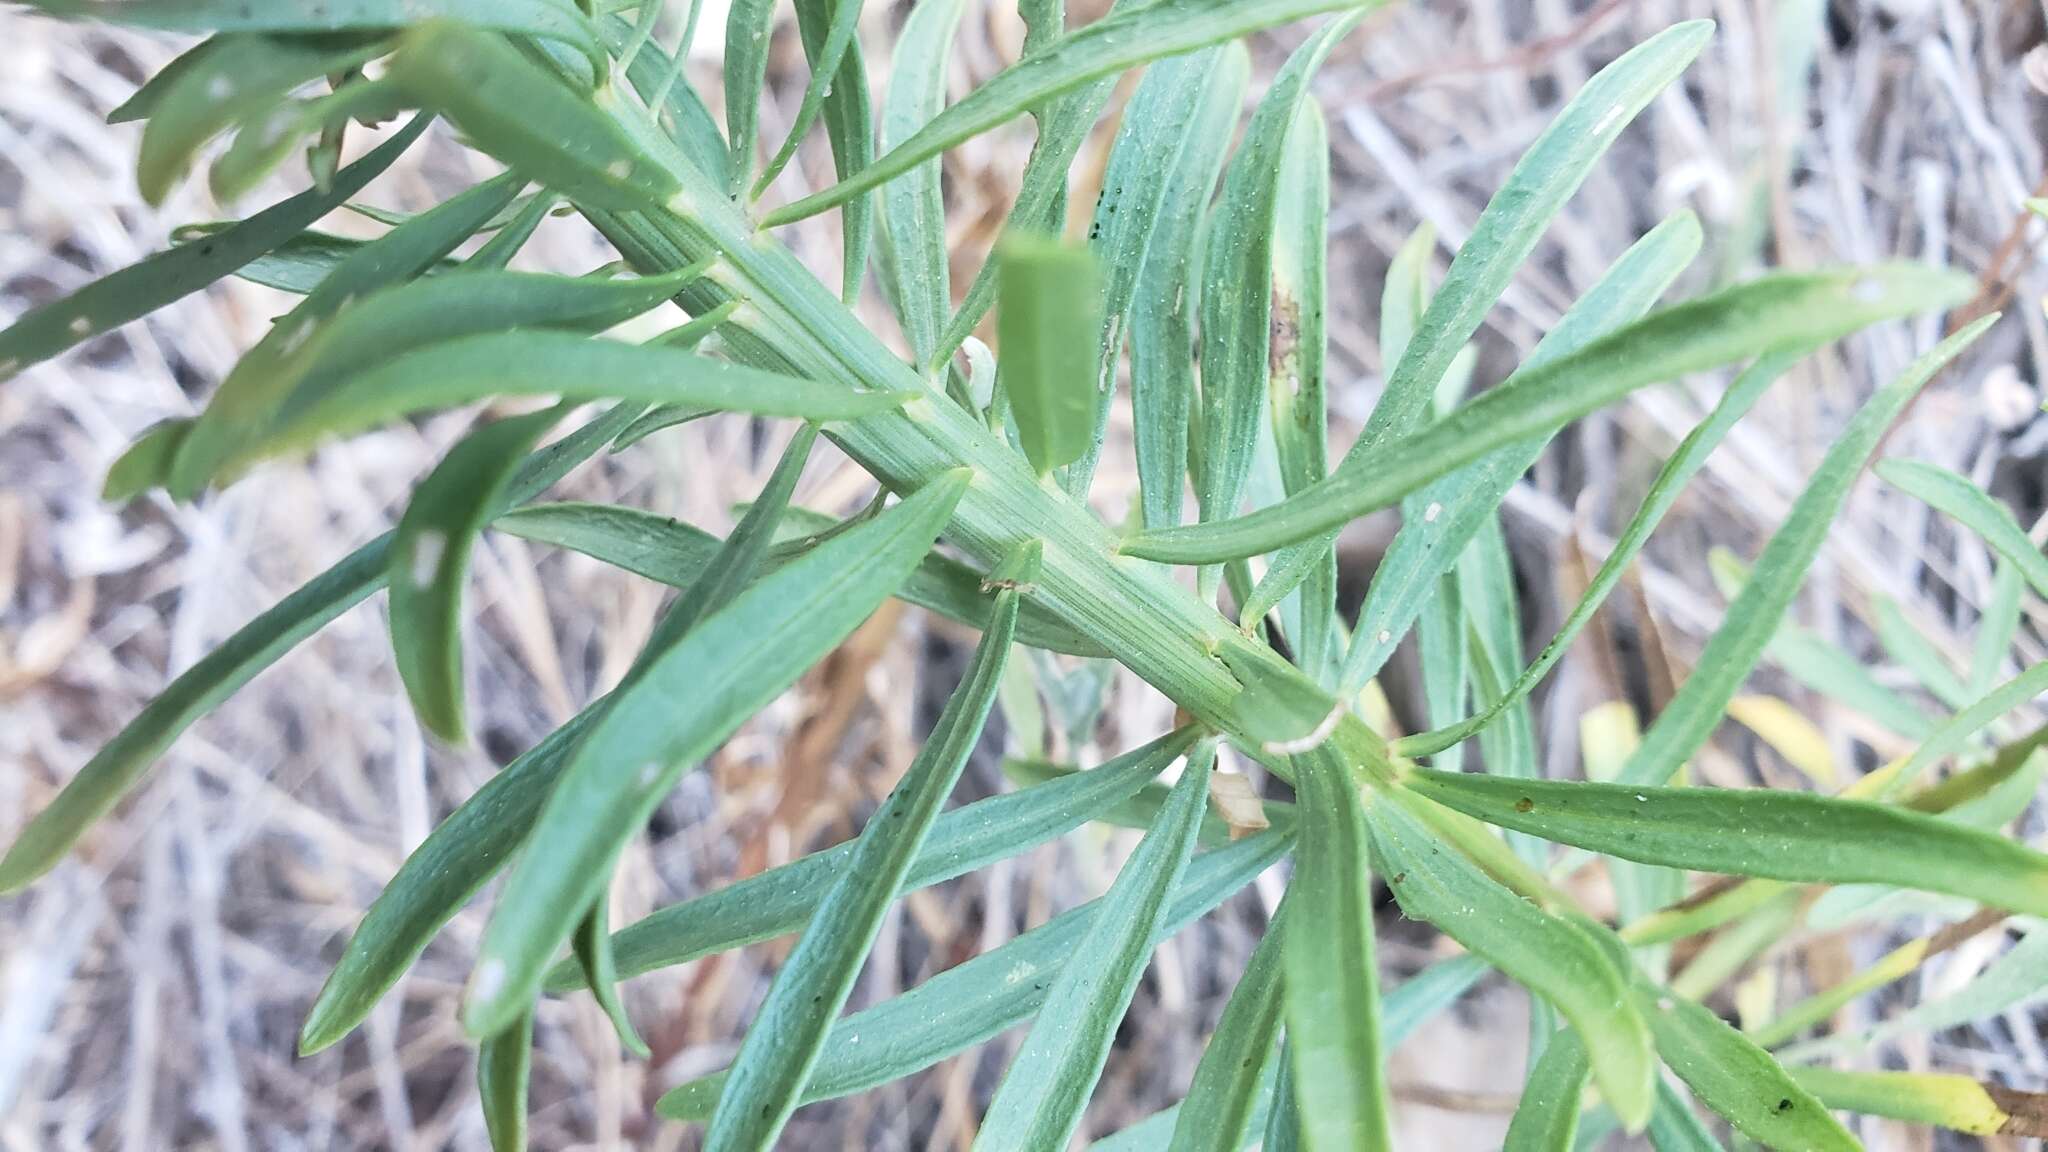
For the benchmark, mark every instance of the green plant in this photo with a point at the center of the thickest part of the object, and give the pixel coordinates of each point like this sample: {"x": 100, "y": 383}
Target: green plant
{"x": 587, "y": 111}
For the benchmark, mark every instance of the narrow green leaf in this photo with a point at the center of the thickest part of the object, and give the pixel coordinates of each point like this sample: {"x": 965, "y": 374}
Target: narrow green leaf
{"x": 1754, "y": 616}
{"x": 1051, "y": 307}
{"x": 504, "y": 1064}
{"x": 1952, "y": 736}
{"x": 1928, "y": 1098}
{"x": 914, "y": 260}
{"x": 677, "y": 108}
{"x": 677, "y": 710}
{"x": 783, "y": 899}
{"x": 430, "y": 563}
{"x": 1233, "y": 1075}
{"x": 120, "y": 763}
{"x": 1774, "y": 313}
{"x": 555, "y": 20}
{"x": 1970, "y": 506}
{"x": 592, "y": 945}
{"x": 975, "y": 1001}
{"x": 296, "y": 266}
{"x": 315, "y": 360}
{"x": 838, "y": 89}
{"x": 1548, "y": 1118}
{"x": 1438, "y": 521}
{"x": 250, "y": 393}
{"x": 468, "y": 848}
{"x": 244, "y": 78}
{"x": 672, "y": 552}
{"x": 1237, "y": 322}
{"x": 1778, "y": 835}
{"x": 2012, "y": 981}
{"x": 1903, "y": 641}
{"x": 528, "y": 117}
{"x": 1501, "y": 240}
{"x": 787, "y": 1034}
{"x": 1041, "y": 1098}
{"x": 269, "y": 138}
{"x": 749, "y": 26}
{"x": 1405, "y": 293}
{"x": 142, "y": 288}
{"x": 1125, "y": 39}
{"x": 540, "y": 363}
{"x": 1168, "y": 290}
{"x": 1997, "y": 627}
{"x": 1331, "y": 976}
{"x": 1176, "y": 124}
{"x": 1678, "y": 471}
{"x": 1738, "y": 1079}
{"x": 1295, "y": 390}
{"x": 1141, "y": 809}
{"x": 145, "y": 464}
{"x": 1554, "y": 957}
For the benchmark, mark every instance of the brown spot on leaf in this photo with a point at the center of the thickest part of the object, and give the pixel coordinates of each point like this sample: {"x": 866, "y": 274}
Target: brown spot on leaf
{"x": 1524, "y": 804}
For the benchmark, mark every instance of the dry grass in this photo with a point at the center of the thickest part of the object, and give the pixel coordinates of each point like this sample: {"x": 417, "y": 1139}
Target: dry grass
{"x": 151, "y": 988}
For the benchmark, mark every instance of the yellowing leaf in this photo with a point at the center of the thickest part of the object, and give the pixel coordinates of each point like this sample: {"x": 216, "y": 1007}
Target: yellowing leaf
{"x": 1789, "y": 733}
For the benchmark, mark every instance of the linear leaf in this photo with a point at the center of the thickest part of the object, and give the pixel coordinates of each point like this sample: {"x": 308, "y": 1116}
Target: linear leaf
{"x": 468, "y": 848}
{"x": 1051, "y": 305}
{"x": 1142, "y": 807}
{"x": 1331, "y": 976}
{"x": 2012, "y": 981}
{"x": 504, "y": 1063}
{"x": 142, "y": 288}
{"x": 1778, "y": 835}
{"x": 672, "y": 552}
{"x": 430, "y": 563}
{"x": 1738, "y": 1079}
{"x": 1674, "y": 1127}
{"x": 120, "y": 763}
{"x": 540, "y": 363}
{"x": 1754, "y": 616}
{"x": 1501, "y": 240}
{"x": 592, "y": 946}
{"x": 526, "y": 116}
{"x": 547, "y": 19}
{"x": 1234, "y": 1073}
{"x": 1903, "y": 641}
{"x": 1973, "y": 508}
{"x": 1173, "y": 135}
{"x": 1168, "y": 289}
{"x": 788, "y": 1032}
{"x": 1552, "y": 956}
{"x": 1547, "y": 1120}
{"x": 749, "y": 25}
{"x": 914, "y": 261}
{"x": 316, "y": 358}
{"x": 1438, "y": 521}
{"x": 676, "y": 711}
{"x": 1997, "y": 627}
{"x": 1295, "y": 390}
{"x": 1678, "y": 471}
{"x": 781, "y": 900}
{"x": 840, "y": 91}
{"x": 1042, "y": 1095}
{"x": 1122, "y": 40}
{"x": 975, "y": 1001}
{"x": 1237, "y": 311}
{"x": 678, "y": 110}
{"x": 1932, "y": 1098}
{"x": 251, "y": 391}
{"x": 1773, "y": 313}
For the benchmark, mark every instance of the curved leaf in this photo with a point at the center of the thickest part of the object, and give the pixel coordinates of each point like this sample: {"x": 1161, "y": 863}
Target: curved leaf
{"x": 1232, "y": 1078}
{"x": 1771, "y": 314}
{"x": 142, "y": 288}
{"x": 1738, "y": 1079}
{"x": 1041, "y": 1098}
{"x": 1124, "y": 39}
{"x": 913, "y": 209}
{"x": 676, "y": 711}
{"x": 1778, "y": 835}
{"x": 430, "y": 563}
{"x": 787, "y": 1033}
{"x": 977, "y": 1000}
{"x": 1970, "y": 506}
{"x": 503, "y": 1065}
